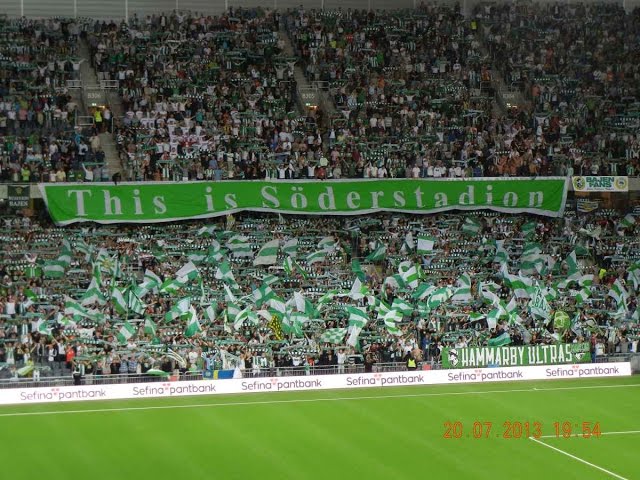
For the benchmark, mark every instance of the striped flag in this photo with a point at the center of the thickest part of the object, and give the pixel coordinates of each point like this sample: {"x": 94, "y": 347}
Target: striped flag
{"x": 423, "y": 291}
{"x": 53, "y": 269}
{"x": 119, "y": 302}
{"x": 438, "y": 297}
{"x": 583, "y": 295}
{"x": 634, "y": 275}
{"x": 188, "y": 271}
{"x": 290, "y": 247}
{"x": 618, "y": 292}
{"x": 193, "y": 325}
{"x": 206, "y": 231}
{"x": 179, "y": 309}
{"x": 358, "y": 290}
{"x": 268, "y": 254}
{"x": 425, "y": 244}
{"x": 627, "y": 222}
{"x": 328, "y": 244}
{"x": 391, "y": 320}
{"x": 240, "y": 246}
{"x": 125, "y": 333}
{"x": 149, "y": 327}
{"x": 462, "y": 292}
{"x": 401, "y": 306}
{"x": 379, "y": 252}
{"x": 357, "y": 321}
{"x": 333, "y": 335}
{"x": 315, "y": 257}
{"x": 93, "y": 295}
{"x": 500, "y": 340}
{"x": 224, "y": 273}
{"x": 572, "y": 263}
{"x": 471, "y": 226}
{"x": 262, "y": 295}
{"x": 409, "y": 274}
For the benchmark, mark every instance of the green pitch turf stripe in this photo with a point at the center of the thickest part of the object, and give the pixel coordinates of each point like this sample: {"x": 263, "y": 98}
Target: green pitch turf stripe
{"x": 307, "y": 400}
{"x": 615, "y": 475}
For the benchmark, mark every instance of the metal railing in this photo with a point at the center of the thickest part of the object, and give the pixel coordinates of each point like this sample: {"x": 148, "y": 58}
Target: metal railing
{"x": 303, "y": 370}
{"x": 68, "y": 380}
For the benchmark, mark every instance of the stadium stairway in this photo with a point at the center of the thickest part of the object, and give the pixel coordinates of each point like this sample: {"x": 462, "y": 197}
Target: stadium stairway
{"x": 91, "y": 83}
{"x": 307, "y": 92}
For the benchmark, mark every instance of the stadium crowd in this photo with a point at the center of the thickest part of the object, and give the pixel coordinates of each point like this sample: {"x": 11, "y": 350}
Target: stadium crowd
{"x": 260, "y": 291}
{"x": 39, "y": 141}
{"x": 412, "y": 93}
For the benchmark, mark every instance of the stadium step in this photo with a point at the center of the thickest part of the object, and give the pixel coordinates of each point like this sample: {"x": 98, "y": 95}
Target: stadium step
{"x": 112, "y": 160}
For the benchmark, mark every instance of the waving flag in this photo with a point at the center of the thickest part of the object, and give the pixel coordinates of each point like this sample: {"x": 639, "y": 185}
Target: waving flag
{"x": 268, "y": 254}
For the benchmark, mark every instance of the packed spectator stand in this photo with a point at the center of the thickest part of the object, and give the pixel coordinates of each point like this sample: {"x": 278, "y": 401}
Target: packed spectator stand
{"x": 292, "y": 311}
{"x": 412, "y": 93}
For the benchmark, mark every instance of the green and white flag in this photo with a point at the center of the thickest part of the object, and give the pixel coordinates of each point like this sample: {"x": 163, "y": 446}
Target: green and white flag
{"x": 119, "y": 302}
{"x": 572, "y": 263}
{"x": 188, "y": 272}
{"x": 290, "y": 266}
{"x": 358, "y": 290}
{"x": 423, "y": 291}
{"x": 206, "y": 231}
{"x": 357, "y": 321}
{"x": 391, "y": 320}
{"x": 134, "y": 303}
{"x": 462, "y": 292}
{"x": 262, "y": 295}
{"x": 500, "y": 340}
{"x": 210, "y": 312}
{"x": 328, "y": 244}
{"x": 149, "y": 327}
{"x": 179, "y": 309}
{"x": 618, "y": 292}
{"x": 73, "y": 308}
{"x": 53, "y": 269}
{"x": 240, "y": 246}
{"x": 41, "y": 327}
{"x": 627, "y": 222}
{"x": 93, "y": 295}
{"x": 634, "y": 275}
{"x": 438, "y": 297}
{"x": 409, "y": 274}
{"x": 314, "y": 257}
{"x": 125, "y": 333}
{"x": 224, "y": 273}
{"x": 538, "y": 305}
{"x": 488, "y": 295}
{"x": 402, "y": 306}
{"x": 476, "y": 317}
{"x": 471, "y": 226}
{"x": 193, "y": 325}
{"x": 290, "y": 247}
{"x": 333, "y": 335}
{"x": 521, "y": 286}
{"x": 425, "y": 244}
{"x": 325, "y": 299}
{"x": 583, "y": 295}
{"x": 268, "y": 254}
{"x": 173, "y": 285}
{"x": 378, "y": 253}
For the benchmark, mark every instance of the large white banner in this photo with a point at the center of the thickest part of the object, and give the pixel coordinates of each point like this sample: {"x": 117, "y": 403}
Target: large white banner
{"x": 320, "y": 382}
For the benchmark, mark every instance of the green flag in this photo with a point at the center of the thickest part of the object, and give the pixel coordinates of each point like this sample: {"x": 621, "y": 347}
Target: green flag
{"x": 125, "y": 333}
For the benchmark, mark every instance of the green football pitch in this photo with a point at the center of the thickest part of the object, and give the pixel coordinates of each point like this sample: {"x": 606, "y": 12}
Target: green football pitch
{"x": 381, "y": 433}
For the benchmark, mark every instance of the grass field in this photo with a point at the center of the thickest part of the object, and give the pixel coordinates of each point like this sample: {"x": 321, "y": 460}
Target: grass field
{"x": 390, "y": 433}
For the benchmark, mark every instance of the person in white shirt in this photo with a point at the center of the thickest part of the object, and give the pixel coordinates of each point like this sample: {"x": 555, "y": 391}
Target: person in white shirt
{"x": 341, "y": 357}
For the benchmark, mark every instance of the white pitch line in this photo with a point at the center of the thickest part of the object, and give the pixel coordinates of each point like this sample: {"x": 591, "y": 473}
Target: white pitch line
{"x": 593, "y": 465}
{"x": 303, "y": 400}
{"x": 629, "y": 432}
